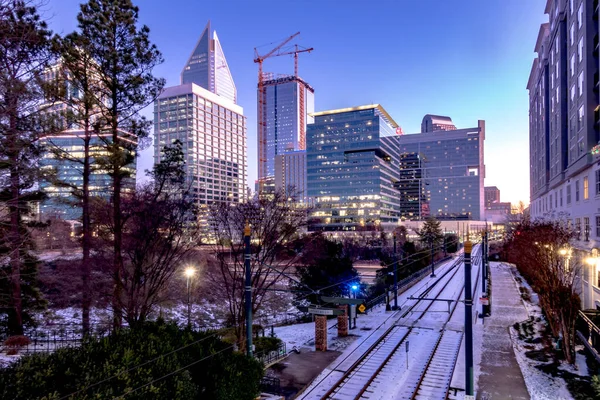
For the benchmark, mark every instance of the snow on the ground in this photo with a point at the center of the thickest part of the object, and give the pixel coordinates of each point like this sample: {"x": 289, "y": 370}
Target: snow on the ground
{"x": 540, "y": 385}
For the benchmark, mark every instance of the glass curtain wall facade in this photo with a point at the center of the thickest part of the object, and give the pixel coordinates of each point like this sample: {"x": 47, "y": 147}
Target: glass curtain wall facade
{"x": 290, "y": 173}
{"x": 285, "y": 117}
{"x": 213, "y": 132}
{"x": 352, "y": 161}
{"x": 453, "y": 170}
{"x": 61, "y": 202}
{"x": 207, "y": 67}
{"x": 414, "y": 203}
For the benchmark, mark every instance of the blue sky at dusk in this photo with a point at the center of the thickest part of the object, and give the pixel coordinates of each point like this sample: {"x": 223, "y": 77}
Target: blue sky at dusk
{"x": 468, "y": 59}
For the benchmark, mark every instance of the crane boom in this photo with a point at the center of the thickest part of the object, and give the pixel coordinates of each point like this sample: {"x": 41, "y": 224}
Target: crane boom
{"x": 259, "y": 59}
{"x": 262, "y": 126}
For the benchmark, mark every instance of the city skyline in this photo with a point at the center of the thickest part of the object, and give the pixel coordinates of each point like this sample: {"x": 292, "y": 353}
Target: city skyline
{"x": 465, "y": 60}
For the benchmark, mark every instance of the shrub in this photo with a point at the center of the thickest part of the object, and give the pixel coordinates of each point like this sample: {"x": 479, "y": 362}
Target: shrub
{"x": 207, "y": 368}
{"x": 14, "y": 344}
{"x": 266, "y": 344}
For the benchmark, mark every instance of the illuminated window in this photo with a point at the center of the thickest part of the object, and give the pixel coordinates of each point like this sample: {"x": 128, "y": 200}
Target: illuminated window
{"x": 586, "y": 188}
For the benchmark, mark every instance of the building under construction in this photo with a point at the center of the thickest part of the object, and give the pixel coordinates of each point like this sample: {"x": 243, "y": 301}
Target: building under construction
{"x": 284, "y": 105}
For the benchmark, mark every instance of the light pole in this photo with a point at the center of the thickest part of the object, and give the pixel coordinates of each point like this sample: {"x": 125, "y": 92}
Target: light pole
{"x": 395, "y": 275}
{"x": 189, "y": 274}
{"x": 354, "y": 288}
{"x": 432, "y": 266}
{"x": 468, "y": 324}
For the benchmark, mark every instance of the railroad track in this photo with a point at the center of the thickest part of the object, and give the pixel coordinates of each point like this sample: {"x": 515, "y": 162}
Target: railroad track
{"x": 386, "y": 359}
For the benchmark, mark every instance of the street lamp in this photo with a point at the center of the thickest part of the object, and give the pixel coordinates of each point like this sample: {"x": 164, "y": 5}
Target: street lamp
{"x": 566, "y": 253}
{"x": 354, "y": 289}
{"x": 189, "y": 274}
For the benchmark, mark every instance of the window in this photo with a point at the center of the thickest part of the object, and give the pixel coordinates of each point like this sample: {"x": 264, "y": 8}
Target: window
{"x": 580, "y": 84}
{"x": 586, "y": 229}
{"x": 578, "y": 228}
{"x": 580, "y": 16}
{"x": 598, "y": 226}
{"x": 572, "y": 95}
{"x": 580, "y": 116}
{"x": 586, "y": 188}
{"x": 577, "y": 190}
{"x": 571, "y": 6}
{"x": 572, "y": 64}
{"x": 568, "y": 194}
{"x": 572, "y": 34}
{"x": 580, "y": 50}
{"x": 561, "y": 197}
{"x": 597, "y": 182}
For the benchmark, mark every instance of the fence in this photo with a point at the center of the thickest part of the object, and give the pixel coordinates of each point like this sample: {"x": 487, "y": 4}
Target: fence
{"x": 49, "y": 338}
{"x": 270, "y": 357}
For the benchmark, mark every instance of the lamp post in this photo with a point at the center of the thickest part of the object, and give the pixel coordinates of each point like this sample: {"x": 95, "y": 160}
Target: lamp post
{"x": 354, "y": 288}
{"x": 189, "y": 274}
{"x": 395, "y": 275}
{"x": 468, "y": 324}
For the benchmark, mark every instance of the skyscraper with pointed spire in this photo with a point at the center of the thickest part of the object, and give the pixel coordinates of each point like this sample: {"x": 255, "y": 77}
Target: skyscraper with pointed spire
{"x": 203, "y": 115}
{"x": 207, "y": 67}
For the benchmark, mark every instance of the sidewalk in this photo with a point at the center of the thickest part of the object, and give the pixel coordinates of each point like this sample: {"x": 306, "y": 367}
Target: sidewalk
{"x": 501, "y": 377}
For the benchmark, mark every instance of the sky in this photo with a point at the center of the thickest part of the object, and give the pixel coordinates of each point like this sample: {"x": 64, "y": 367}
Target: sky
{"x": 467, "y": 59}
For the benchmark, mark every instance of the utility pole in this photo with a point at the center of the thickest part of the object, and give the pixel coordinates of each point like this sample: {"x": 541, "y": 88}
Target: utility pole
{"x": 395, "y": 275}
{"x": 468, "y": 325}
{"x": 483, "y": 264}
{"x": 248, "y": 290}
{"x": 445, "y": 250}
{"x": 432, "y": 267}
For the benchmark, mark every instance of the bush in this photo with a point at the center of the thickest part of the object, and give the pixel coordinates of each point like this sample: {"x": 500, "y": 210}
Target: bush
{"x": 207, "y": 369}
{"x": 266, "y": 344}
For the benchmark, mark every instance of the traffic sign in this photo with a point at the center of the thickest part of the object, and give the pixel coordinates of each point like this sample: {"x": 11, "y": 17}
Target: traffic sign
{"x": 485, "y": 301}
{"x": 322, "y": 310}
{"x": 341, "y": 300}
{"x": 362, "y": 308}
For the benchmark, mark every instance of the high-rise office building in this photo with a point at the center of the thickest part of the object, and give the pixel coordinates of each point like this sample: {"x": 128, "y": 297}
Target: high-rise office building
{"x": 290, "y": 174}
{"x": 453, "y": 170}
{"x": 64, "y": 155}
{"x": 288, "y": 103}
{"x": 492, "y": 195}
{"x": 207, "y": 67}
{"x": 564, "y": 128}
{"x": 433, "y": 123}
{"x": 210, "y": 125}
{"x": 411, "y": 184}
{"x": 352, "y": 163}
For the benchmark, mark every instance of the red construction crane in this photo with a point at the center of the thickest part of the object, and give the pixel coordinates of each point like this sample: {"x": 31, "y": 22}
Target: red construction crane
{"x": 262, "y": 136}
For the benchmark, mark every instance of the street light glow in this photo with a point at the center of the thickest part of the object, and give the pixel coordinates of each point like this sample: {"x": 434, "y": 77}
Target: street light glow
{"x": 189, "y": 272}
{"x": 354, "y": 287}
{"x": 591, "y": 260}
{"x": 563, "y": 252}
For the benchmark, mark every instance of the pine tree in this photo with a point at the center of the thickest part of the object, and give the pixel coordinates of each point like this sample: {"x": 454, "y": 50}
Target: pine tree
{"x": 24, "y": 54}
{"x": 76, "y": 85}
{"x": 124, "y": 59}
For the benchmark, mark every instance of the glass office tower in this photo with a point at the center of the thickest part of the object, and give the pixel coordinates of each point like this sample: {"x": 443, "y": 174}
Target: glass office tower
{"x": 207, "y": 67}
{"x": 213, "y": 132}
{"x": 60, "y": 201}
{"x": 201, "y": 113}
{"x": 289, "y": 101}
{"x": 352, "y": 161}
{"x": 453, "y": 170}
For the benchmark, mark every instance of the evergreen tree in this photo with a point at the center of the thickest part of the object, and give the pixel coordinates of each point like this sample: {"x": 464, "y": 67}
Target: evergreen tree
{"x": 24, "y": 54}
{"x": 77, "y": 86}
{"x": 124, "y": 59}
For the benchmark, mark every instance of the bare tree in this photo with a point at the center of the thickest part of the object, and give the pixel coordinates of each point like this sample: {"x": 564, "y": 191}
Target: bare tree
{"x": 274, "y": 222}
{"x": 541, "y": 251}
{"x": 159, "y": 231}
